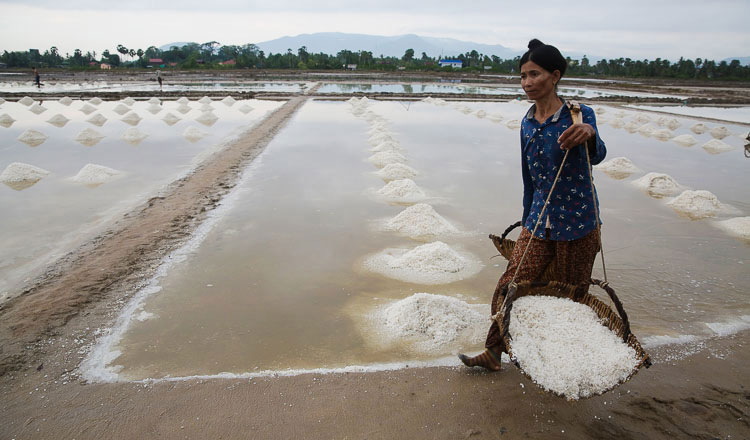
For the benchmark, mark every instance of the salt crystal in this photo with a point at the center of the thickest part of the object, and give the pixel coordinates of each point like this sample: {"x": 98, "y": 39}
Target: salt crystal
{"x": 715, "y": 146}
{"x": 402, "y": 191}
{"x": 26, "y": 101}
{"x": 128, "y": 101}
{"x": 193, "y": 134}
{"x": 131, "y": 118}
{"x": 228, "y": 101}
{"x": 95, "y": 101}
{"x": 183, "y": 100}
{"x": 685, "y": 140}
{"x": 699, "y": 128}
{"x": 94, "y": 175}
{"x": 738, "y": 226}
{"x": 154, "y": 101}
{"x": 65, "y": 101}
{"x": 87, "y": 109}
{"x": 646, "y": 130}
{"x": 183, "y": 108}
{"x": 205, "y": 100}
{"x": 6, "y": 120}
{"x": 121, "y": 109}
{"x": 153, "y": 109}
{"x": 658, "y": 185}
{"x": 673, "y": 124}
{"x": 421, "y": 221}
{"x": 396, "y": 171}
{"x": 696, "y": 204}
{"x": 20, "y": 175}
{"x": 58, "y": 120}
{"x": 89, "y": 137}
{"x": 663, "y": 134}
{"x": 32, "y": 138}
{"x": 37, "y": 108}
{"x": 207, "y": 118}
{"x": 618, "y": 167}
{"x": 720, "y": 132}
{"x": 384, "y": 158}
{"x": 97, "y": 120}
{"x": 170, "y": 119}
{"x": 386, "y": 146}
{"x": 133, "y": 136}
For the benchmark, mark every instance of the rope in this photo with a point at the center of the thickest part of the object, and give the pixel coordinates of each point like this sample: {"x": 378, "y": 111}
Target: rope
{"x": 596, "y": 214}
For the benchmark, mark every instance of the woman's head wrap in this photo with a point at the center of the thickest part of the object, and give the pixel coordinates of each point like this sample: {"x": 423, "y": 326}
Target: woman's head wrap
{"x": 546, "y": 56}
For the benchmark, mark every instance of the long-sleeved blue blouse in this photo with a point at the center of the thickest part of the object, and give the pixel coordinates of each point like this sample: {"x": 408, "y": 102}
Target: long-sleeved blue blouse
{"x": 571, "y": 210}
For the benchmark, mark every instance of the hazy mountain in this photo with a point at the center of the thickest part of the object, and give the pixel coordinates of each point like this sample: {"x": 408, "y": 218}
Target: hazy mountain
{"x": 332, "y": 42}
{"x": 169, "y": 46}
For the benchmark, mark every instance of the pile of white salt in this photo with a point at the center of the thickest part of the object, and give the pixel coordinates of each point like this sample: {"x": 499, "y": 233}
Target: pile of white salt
{"x": 564, "y": 348}
{"x": 432, "y": 323}
{"x": 192, "y": 134}
{"x": 32, "y": 138}
{"x": 207, "y": 118}
{"x": 696, "y": 204}
{"x": 402, "y": 191}
{"x": 131, "y": 118}
{"x": 245, "y": 108}
{"x": 618, "y": 167}
{"x": 513, "y": 124}
{"x": 133, "y": 136}
{"x": 685, "y": 140}
{"x": 87, "y": 109}
{"x": 20, "y": 175}
{"x": 396, "y": 171}
{"x": 170, "y": 119}
{"x": 89, "y": 137}
{"x": 431, "y": 263}
{"x": 121, "y": 109}
{"x": 97, "y": 120}
{"x": 738, "y": 226}
{"x": 720, "y": 132}
{"x": 658, "y": 185}
{"x": 420, "y": 221}
{"x": 715, "y": 146}
{"x": 6, "y": 120}
{"x": 37, "y": 108}
{"x": 386, "y": 146}
{"x": 699, "y": 128}
{"x": 384, "y": 158}
{"x": 94, "y": 175}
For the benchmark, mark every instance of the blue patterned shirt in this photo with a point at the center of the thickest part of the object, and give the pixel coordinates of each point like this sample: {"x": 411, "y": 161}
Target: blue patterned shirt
{"x": 571, "y": 211}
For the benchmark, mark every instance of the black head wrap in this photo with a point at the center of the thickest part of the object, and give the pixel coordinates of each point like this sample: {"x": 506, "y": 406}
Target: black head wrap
{"x": 546, "y": 56}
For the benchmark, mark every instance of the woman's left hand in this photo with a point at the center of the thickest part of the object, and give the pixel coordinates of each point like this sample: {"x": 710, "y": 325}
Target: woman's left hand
{"x": 576, "y": 135}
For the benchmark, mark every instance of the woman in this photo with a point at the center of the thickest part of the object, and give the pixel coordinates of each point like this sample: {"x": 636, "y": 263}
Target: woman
{"x": 568, "y": 230}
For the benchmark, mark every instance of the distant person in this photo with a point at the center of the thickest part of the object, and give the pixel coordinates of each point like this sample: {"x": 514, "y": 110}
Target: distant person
{"x": 567, "y": 230}
{"x": 37, "y": 78}
{"x": 158, "y": 78}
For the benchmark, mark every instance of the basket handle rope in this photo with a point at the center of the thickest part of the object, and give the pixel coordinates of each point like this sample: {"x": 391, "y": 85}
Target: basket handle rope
{"x": 618, "y": 305}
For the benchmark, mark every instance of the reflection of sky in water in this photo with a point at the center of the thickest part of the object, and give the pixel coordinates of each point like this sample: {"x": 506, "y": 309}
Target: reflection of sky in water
{"x": 275, "y": 284}
{"x": 40, "y": 221}
{"x": 147, "y": 86}
{"x": 734, "y": 114}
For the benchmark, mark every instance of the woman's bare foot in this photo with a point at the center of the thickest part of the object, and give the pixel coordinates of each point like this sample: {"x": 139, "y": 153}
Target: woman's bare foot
{"x": 487, "y": 359}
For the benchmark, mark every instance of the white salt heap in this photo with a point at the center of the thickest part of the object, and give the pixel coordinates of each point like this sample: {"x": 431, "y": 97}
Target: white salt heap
{"x": 128, "y": 101}
{"x": 131, "y": 118}
{"x": 465, "y": 109}
{"x": 37, "y": 108}
{"x": 6, "y": 120}
{"x": 87, "y": 109}
{"x": 715, "y": 146}
{"x": 685, "y": 140}
{"x": 673, "y": 124}
{"x": 153, "y": 108}
{"x": 618, "y": 167}
{"x": 738, "y": 226}
{"x": 207, "y": 108}
{"x": 632, "y": 126}
{"x": 32, "y": 138}
{"x": 396, "y": 171}
{"x": 207, "y": 118}
{"x": 2, "y": 101}
{"x": 402, "y": 191}
{"x": 170, "y": 119}
{"x": 183, "y": 100}
{"x": 420, "y": 221}
{"x": 513, "y": 124}
{"x": 228, "y": 101}
{"x": 658, "y": 185}
{"x": 205, "y": 100}
{"x": 94, "y": 175}
{"x": 642, "y": 118}
{"x": 121, "y": 109}
{"x": 20, "y": 176}
{"x": 495, "y": 117}
{"x": 431, "y": 323}
{"x": 193, "y": 134}
{"x": 154, "y": 101}
{"x": 95, "y": 101}
{"x": 246, "y": 108}
{"x": 89, "y": 137}
{"x": 431, "y": 263}
{"x": 565, "y": 349}
{"x": 480, "y": 113}
{"x": 646, "y": 130}
{"x": 617, "y": 123}
{"x": 26, "y": 101}
{"x": 720, "y": 132}
{"x": 696, "y": 204}
{"x": 97, "y": 120}
{"x": 380, "y": 137}
{"x": 133, "y": 136}
{"x": 65, "y": 101}
{"x": 183, "y": 108}
{"x": 58, "y": 120}
{"x": 386, "y": 146}
{"x": 384, "y": 158}
{"x": 663, "y": 134}
{"x": 699, "y": 128}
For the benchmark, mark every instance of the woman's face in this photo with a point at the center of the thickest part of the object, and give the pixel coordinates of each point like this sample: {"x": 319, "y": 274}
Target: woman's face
{"x": 538, "y": 82}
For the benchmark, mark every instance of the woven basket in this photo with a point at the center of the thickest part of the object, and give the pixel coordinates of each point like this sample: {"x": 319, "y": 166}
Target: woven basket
{"x": 505, "y": 246}
{"x": 617, "y": 324}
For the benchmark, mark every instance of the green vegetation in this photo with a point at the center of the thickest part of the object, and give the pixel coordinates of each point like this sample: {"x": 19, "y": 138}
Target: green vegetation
{"x": 212, "y": 55}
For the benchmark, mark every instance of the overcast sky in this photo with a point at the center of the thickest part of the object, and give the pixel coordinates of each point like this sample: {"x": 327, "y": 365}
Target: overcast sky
{"x": 634, "y": 28}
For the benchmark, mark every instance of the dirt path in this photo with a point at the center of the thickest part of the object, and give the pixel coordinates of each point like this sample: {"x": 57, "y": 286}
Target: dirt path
{"x": 112, "y": 264}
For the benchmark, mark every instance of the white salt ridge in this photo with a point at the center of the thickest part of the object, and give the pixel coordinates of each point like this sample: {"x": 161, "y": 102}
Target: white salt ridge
{"x": 384, "y": 158}
{"x": 685, "y": 140}
{"x": 170, "y": 119}
{"x": 205, "y": 100}
{"x": 37, "y": 108}
{"x": 696, "y": 204}
{"x": 386, "y": 146}
{"x": 97, "y": 120}
{"x": 246, "y": 108}
{"x": 89, "y": 137}
{"x": 228, "y": 101}
{"x": 715, "y": 146}
{"x": 207, "y": 118}
{"x": 20, "y": 175}
{"x": 402, "y": 191}
{"x": 94, "y": 175}
{"x": 396, "y": 171}
{"x": 6, "y": 120}
{"x": 183, "y": 100}
{"x": 699, "y": 128}
{"x": 121, "y": 109}
{"x": 26, "y": 101}
{"x": 193, "y": 134}
{"x": 720, "y": 132}
{"x": 183, "y": 108}
{"x": 32, "y": 138}
{"x": 154, "y": 101}
{"x": 128, "y": 101}
{"x": 87, "y": 109}
{"x": 66, "y": 101}
{"x": 513, "y": 124}
{"x": 738, "y": 227}
{"x": 618, "y": 167}
{"x": 671, "y": 123}
{"x": 58, "y": 120}
{"x": 133, "y": 136}
{"x": 431, "y": 323}
{"x": 131, "y": 118}
{"x": 429, "y": 264}
{"x": 658, "y": 185}
{"x": 565, "y": 349}
{"x": 420, "y": 221}
{"x": 380, "y": 137}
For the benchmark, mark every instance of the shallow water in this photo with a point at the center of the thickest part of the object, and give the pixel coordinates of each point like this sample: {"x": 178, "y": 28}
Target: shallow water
{"x": 277, "y": 281}
{"x": 169, "y": 85}
{"x": 733, "y": 114}
{"x": 46, "y": 219}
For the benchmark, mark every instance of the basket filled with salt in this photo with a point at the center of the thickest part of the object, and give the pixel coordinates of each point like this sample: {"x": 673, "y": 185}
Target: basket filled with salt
{"x": 568, "y": 341}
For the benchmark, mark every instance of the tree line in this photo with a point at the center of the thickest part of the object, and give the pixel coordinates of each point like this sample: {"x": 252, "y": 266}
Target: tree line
{"x": 212, "y": 55}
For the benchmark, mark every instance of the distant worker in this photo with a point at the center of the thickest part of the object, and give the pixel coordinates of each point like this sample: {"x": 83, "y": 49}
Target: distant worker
{"x": 37, "y": 79}
{"x": 158, "y": 78}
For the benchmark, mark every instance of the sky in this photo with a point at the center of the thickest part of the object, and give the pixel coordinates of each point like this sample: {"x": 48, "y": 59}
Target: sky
{"x": 639, "y": 29}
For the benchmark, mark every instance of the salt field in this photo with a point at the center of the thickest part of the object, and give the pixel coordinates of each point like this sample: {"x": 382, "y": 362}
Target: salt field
{"x": 150, "y": 85}
{"x": 43, "y": 218}
{"x": 281, "y": 277}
